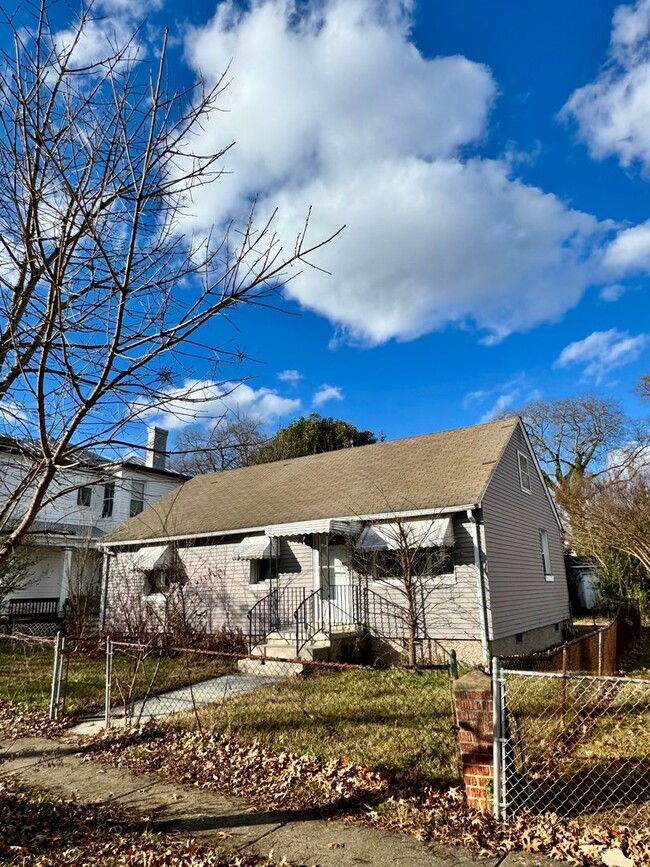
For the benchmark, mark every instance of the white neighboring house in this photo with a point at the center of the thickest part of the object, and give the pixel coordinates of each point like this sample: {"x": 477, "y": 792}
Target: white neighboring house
{"x": 99, "y": 496}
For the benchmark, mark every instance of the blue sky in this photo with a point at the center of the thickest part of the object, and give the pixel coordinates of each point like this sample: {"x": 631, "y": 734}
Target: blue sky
{"x": 491, "y": 163}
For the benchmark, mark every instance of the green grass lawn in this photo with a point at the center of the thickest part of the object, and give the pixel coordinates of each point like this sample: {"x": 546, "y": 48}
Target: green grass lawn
{"x": 401, "y": 721}
{"x": 26, "y": 675}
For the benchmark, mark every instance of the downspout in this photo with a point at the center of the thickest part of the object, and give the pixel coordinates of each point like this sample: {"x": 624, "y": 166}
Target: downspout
{"x": 474, "y": 516}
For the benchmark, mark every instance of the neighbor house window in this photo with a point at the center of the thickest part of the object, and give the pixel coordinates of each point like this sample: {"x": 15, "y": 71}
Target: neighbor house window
{"x": 263, "y": 570}
{"x": 524, "y": 472}
{"x": 109, "y": 499}
{"x": 84, "y": 496}
{"x": 546, "y": 555}
{"x": 137, "y": 498}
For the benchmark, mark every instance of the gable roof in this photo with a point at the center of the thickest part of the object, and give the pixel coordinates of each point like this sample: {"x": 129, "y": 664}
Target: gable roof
{"x": 432, "y": 472}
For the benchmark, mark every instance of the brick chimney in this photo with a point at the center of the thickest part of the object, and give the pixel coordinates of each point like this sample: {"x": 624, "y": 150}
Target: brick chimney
{"x": 156, "y": 455}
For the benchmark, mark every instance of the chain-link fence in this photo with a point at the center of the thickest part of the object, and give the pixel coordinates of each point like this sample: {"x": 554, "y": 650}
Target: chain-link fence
{"x": 397, "y": 719}
{"x": 576, "y": 745}
{"x": 26, "y": 665}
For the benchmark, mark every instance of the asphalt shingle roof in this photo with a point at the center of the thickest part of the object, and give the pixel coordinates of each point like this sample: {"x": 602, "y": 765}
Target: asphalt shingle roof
{"x": 433, "y": 471}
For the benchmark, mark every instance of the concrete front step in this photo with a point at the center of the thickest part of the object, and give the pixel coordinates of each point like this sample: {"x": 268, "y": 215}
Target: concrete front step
{"x": 261, "y": 667}
{"x": 314, "y": 650}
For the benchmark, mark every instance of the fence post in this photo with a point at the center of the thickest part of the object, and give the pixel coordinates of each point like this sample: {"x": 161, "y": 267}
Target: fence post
{"x": 109, "y": 676}
{"x": 473, "y": 701}
{"x": 600, "y": 651}
{"x": 56, "y": 678}
{"x": 453, "y": 662}
{"x": 497, "y": 737}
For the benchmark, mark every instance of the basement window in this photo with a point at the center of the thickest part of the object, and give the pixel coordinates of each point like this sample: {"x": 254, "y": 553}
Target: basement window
{"x": 519, "y": 638}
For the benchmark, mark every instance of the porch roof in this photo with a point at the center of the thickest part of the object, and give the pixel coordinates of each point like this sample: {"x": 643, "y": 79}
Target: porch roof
{"x": 320, "y": 525}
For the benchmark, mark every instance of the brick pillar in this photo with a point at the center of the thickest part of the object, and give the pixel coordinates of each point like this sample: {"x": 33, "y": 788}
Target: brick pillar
{"x": 473, "y": 700}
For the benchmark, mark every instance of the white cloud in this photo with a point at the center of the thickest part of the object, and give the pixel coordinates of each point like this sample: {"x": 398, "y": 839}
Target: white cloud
{"x": 111, "y": 25}
{"x": 474, "y": 397}
{"x": 602, "y": 352}
{"x": 293, "y": 377}
{"x": 332, "y": 106}
{"x": 503, "y": 402}
{"x": 326, "y": 393}
{"x": 613, "y": 112}
{"x": 630, "y": 250}
{"x": 206, "y": 401}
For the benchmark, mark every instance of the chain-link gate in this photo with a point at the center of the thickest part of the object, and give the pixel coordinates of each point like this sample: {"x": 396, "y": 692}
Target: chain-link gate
{"x": 574, "y": 744}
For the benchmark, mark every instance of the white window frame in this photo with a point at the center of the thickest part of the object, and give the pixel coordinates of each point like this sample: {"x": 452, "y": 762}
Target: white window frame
{"x": 525, "y": 474}
{"x": 546, "y": 555}
{"x": 255, "y": 566}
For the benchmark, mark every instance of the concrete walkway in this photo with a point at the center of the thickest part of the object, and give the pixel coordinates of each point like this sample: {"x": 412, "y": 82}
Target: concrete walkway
{"x": 301, "y": 838}
{"x": 186, "y": 699}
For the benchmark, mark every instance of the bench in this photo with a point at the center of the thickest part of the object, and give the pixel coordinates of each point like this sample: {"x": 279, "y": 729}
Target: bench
{"x": 43, "y": 610}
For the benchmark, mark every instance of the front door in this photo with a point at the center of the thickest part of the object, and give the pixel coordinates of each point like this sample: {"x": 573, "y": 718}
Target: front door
{"x": 335, "y": 584}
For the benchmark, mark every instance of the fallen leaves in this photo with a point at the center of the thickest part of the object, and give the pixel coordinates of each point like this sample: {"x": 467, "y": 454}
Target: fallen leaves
{"x": 39, "y": 830}
{"x": 270, "y": 779}
{"x": 21, "y": 721}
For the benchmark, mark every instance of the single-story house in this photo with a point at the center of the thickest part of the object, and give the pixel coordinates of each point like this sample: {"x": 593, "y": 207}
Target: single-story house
{"x": 450, "y": 539}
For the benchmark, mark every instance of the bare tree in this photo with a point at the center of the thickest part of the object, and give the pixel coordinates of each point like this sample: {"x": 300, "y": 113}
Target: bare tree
{"x": 413, "y": 569}
{"x": 643, "y": 386}
{"x": 609, "y": 525}
{"x": 103, "y": 294}
{"x": 228, "y": 444}
{"x": 583, "y": 435}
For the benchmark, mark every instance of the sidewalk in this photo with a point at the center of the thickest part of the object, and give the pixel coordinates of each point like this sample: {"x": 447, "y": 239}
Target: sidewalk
{"x": 300, "y": 838}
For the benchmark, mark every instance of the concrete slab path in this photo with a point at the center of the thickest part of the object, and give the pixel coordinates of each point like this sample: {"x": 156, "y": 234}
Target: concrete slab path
{"x": 301, "y": 838}
{"x": 207, "y": 691}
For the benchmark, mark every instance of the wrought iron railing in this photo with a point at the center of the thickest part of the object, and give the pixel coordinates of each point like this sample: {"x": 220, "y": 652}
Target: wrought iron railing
{"x": 274, "y": 612}
{"x": 306, "y": 620}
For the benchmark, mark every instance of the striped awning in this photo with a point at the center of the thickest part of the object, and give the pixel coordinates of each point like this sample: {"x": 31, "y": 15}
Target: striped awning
{"x": 152, "y": 557}
{"x": 421, "y": 533}
{"x": 320, "y": 525}
{"x": 254, "y": 548}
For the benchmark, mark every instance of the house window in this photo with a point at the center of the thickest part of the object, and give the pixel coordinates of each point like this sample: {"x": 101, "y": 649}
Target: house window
{"x": 546, "y": 555}
{"x": 524, "y": 472}
{"x": 519, "y": 638}
{"x": 137, "y": 498}
{"x": 109, "y": 499}
{"x": 263, "y": 570}
{"x": 84, "y": 496}
{"x": 156, "y": 581}
{"x": 389, "y": 565}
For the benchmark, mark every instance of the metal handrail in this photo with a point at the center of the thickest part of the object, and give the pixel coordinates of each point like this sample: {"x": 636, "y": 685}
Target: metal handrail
{"x": 305, "y": 623}
{"x": 261, "y": 613}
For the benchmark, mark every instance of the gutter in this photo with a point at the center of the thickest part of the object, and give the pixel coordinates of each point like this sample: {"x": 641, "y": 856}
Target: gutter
{"x": 217, "y": 534}
{"x": 474, "y": 515}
